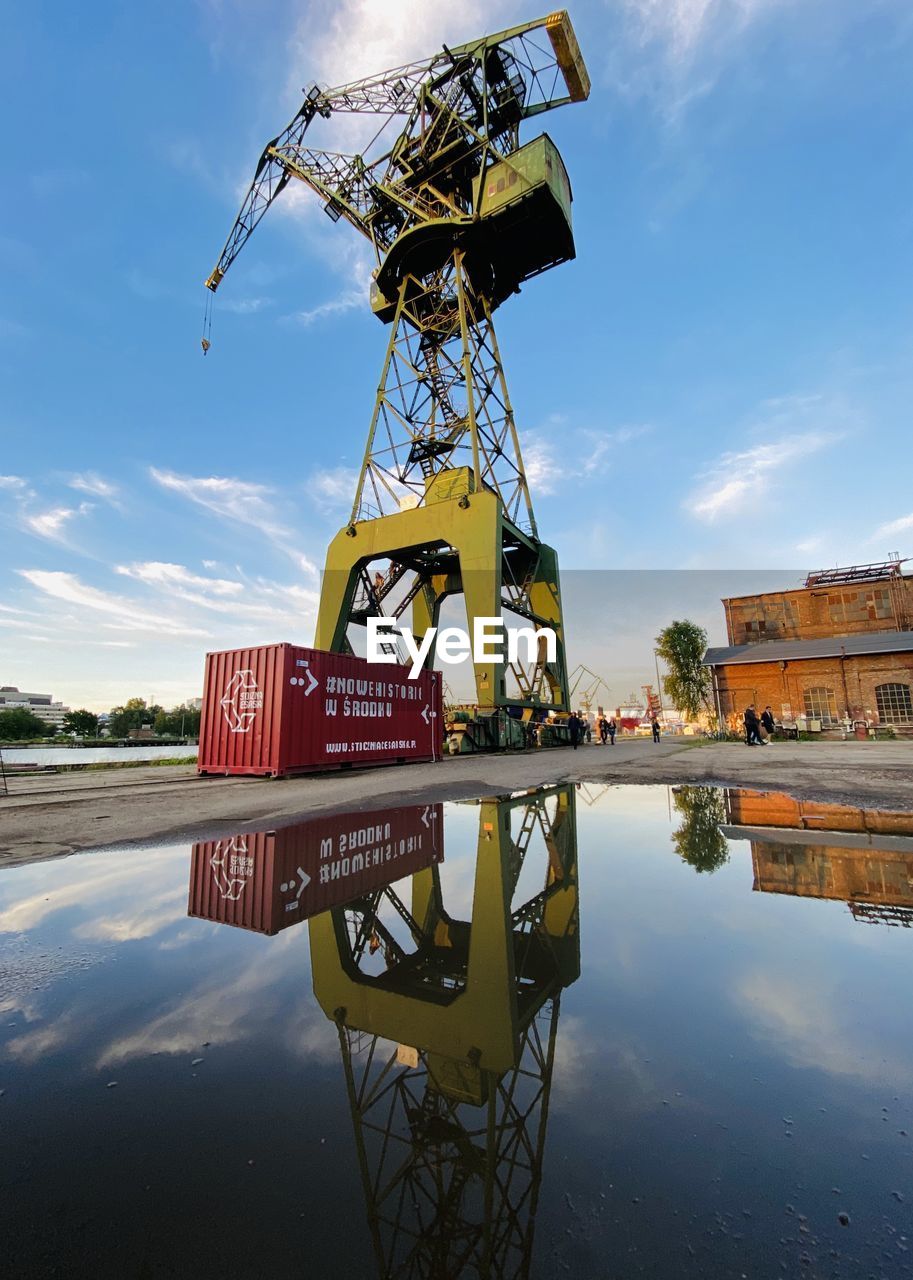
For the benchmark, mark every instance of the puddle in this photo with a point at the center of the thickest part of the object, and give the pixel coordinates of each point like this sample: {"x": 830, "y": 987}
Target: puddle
{"x": 614, "y": 1031}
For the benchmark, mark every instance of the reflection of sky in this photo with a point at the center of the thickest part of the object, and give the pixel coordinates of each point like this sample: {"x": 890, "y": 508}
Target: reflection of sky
{"x": 706, "y": 1017}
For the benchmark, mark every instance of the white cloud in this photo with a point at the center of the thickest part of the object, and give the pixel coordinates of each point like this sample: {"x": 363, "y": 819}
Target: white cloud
{"x": 161, "y": 574}
{"x": 91, "y": 482}
{"x": 348, "y": 300}
{"x": 725, "y": 487}
{"x": 541, "y": 463}
{"x": 366, "y": 36}
{"x": 686, "y": 27}
{"x": 12, "y": 482}
{"x": 245, "y": 306}
{"x": 333, "y": 488}
{"x": 238, "y": 502}
{"x": 52, "y": 524}
{"x": 66, "y": 586}
{"x": 903, "y": 524}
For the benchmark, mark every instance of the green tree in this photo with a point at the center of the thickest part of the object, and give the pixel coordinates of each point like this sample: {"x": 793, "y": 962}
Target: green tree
{"x": 699, "y": 840}
{"x": 183, "y": 721}
{"x": 83, "y": 723}
{"x": 132, "y": 715}
{"x": 682, "y": 646}
{"x": 17, "y": 724}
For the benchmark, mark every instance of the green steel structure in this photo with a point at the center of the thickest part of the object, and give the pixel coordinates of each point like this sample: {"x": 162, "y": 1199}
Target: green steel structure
{"x": 459, "y": 214}
{"x": 447, "y": 1030}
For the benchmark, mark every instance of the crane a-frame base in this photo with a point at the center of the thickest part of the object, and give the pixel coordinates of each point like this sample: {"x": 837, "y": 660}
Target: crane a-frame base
{"x": 461, "y": 545}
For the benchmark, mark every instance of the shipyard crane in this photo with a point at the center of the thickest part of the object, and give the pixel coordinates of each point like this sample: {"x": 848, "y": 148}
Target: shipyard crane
{"x": 447, "y": 1034}
{"x": 589, "y": 684}
{"x": 459, "y": 215}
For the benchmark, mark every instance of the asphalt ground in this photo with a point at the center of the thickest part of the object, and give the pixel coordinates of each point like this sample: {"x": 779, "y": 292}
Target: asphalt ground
{"x": 50, "y": 815}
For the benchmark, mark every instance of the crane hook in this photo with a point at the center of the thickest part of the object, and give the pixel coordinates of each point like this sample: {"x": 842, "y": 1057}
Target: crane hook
{"x": 205, "y": 340}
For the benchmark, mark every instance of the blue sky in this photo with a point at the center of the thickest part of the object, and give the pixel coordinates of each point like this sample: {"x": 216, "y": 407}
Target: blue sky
{"x": 720, "y": 382}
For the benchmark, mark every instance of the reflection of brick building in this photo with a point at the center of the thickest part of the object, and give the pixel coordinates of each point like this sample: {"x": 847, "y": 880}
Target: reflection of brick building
{"x": 840, "y": 648}
{"x": 863, "y": 857}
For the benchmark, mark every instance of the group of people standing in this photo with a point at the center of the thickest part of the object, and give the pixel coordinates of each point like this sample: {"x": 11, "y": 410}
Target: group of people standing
{"x": 579, "y": 727}
{"x": 754, "y": 723}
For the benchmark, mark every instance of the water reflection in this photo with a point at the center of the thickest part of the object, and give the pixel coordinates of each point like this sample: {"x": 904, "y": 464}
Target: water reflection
{"x": 809, "y": 849}
{"x": 447, "y": 1028}
{"x": 269, "y": 880}
{"x": 724, "y": 1058}
{"x": 448, "y": 1043}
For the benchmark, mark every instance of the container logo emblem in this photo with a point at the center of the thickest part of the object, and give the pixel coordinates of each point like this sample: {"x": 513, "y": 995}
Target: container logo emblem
{"x": 242, "y": 699}
{"x": 232, "y": 867}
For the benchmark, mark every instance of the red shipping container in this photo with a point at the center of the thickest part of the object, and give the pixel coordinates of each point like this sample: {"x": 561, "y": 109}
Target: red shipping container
{"x": 268, "y": 880}
{"x": 280, "y": 709}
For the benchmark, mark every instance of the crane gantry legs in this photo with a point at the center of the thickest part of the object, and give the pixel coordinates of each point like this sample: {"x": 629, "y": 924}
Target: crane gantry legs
{"x": 442, "y": 495}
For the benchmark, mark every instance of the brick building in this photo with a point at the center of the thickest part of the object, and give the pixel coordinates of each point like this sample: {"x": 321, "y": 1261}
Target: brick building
{"x": 863, "y": 857}
{"x": 837, "y": 650}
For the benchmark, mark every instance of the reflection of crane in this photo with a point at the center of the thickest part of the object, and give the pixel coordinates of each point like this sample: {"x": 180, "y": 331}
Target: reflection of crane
{"x": 459, "y": 216}
{"x": 450, "y": 1119}
{"x": 589, "y": 683}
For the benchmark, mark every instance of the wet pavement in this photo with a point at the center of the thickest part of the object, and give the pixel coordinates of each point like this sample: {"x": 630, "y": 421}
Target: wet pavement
{"x": 590, "y": 1030}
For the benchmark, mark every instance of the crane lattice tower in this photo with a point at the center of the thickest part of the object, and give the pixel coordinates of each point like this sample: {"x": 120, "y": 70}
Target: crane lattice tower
{"x": 459, "y": 215}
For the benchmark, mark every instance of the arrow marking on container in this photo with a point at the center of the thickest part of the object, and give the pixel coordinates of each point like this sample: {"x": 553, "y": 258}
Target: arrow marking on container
{"x": 305, "y": 881}
{"x": 313, "y": 685}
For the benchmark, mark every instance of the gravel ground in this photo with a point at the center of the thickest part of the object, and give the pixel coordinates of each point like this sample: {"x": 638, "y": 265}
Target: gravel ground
{"x": 49, "y": 815}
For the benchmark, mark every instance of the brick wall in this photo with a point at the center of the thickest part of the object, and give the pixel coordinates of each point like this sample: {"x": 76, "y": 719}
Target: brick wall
{"x": 852, "y": 681}
{"x": 807, "y": 613}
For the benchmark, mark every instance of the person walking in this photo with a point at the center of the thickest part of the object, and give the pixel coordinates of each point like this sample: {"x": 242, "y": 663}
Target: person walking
{"x": 603, "y": 729}
{"x": 752, "y": 727}
{"x": 767, "y": 720}
{"x": 573, "y": 724}
{"x": 613, "y": 729}
{"x": 654, "y": 725}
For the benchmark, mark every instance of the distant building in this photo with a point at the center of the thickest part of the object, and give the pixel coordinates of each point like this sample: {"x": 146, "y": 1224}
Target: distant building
{"x": 813, "y": 850}
{"x": 837, "y": 650}
{"x": 40, "y": 704}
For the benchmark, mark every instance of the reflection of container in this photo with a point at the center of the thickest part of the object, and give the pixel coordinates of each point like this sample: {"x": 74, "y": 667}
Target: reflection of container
{"x": 268, "y": 880}
{"x": 281, "y": 709}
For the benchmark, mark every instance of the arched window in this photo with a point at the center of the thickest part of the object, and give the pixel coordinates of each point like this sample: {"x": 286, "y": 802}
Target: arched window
{"x": 895, "y": 705}
{"x": 821, "y": 704}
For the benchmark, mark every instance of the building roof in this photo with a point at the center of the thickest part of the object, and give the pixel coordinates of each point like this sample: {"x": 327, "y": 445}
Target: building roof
{"x": 823, "y": 647}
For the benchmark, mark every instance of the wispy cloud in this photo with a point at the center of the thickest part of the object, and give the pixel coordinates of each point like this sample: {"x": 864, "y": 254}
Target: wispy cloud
{"x": 161, "y": 574}
{"x": 903, "y": 524}
{"x": 14, "y": 483}
{"x": 723, "y": 489}
{"x": 244, "y": 306}
{"x": 238, "y": 502}
{"x": 786, "y": 428}
{"x": 672, "y": 52}
{"x": 559, "y": 452}
{"x": 53, "y": 523}
{"x": 92, "y": 483}
{"x": 333, "y": 488}
{"x": 126, "y": 615}
{"x": 348, "y": 300}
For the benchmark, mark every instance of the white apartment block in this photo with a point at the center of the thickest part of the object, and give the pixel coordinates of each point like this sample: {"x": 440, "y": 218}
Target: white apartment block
{"x": 40, "y": 704}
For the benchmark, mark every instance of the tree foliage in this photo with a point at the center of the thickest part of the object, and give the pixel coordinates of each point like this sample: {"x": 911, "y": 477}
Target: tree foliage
{"x": 83, "y": 723}
{"x": 682, "y": 646}
{"x": 182, "y": 722}
{"x": 699, "y": 841}
{"x": 134, "y": 714}
{"x": 18, "y": 724}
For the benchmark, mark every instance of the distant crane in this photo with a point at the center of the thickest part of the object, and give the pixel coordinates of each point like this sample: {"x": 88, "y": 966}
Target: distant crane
{"x": 589, "y": 690}
{"x": 459, "y": 215}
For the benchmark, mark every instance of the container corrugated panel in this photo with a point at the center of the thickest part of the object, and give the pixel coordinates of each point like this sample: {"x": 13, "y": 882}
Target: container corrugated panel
{"x": 282, "y": 709}
{"x": 269, "y": 880}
